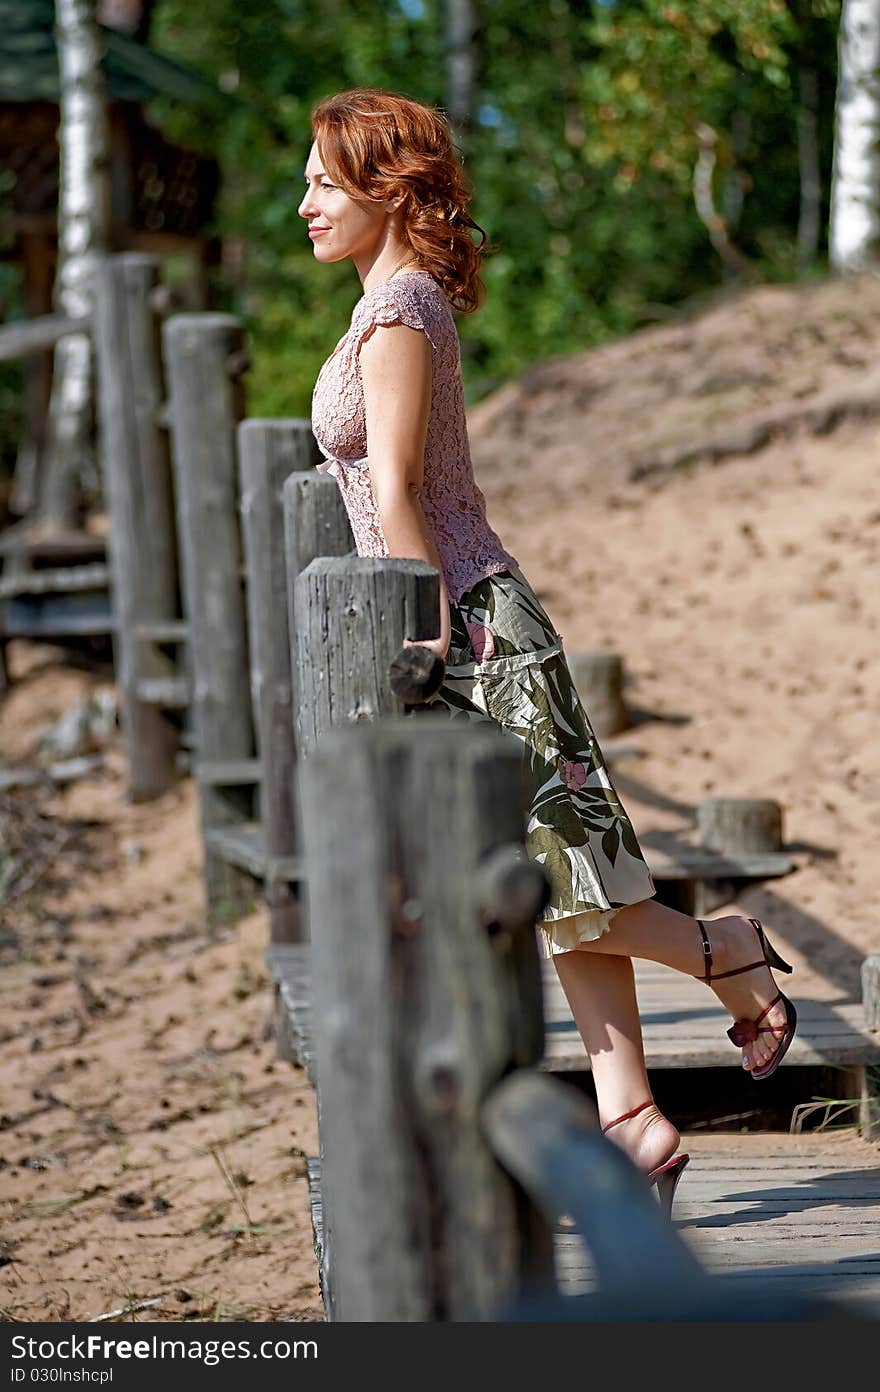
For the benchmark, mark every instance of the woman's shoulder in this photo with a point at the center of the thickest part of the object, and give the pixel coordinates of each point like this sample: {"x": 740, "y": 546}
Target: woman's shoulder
{"x": 412, "y": 298}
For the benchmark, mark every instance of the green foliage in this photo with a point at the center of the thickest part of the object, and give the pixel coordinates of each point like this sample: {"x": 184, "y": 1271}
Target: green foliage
{"x": 581, "y": 153}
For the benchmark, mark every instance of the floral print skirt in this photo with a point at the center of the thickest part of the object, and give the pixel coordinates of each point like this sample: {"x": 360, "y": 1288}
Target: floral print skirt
{"x": 505, "y": 664}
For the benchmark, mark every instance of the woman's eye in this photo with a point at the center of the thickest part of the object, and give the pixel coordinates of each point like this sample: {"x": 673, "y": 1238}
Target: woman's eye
{"x": 328, "y": 186}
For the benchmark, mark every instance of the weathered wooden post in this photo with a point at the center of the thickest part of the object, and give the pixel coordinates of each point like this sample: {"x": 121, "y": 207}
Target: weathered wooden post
{"x": 740, "y": 841}
{"x": 740, "y": 826}
{"x": 598, "y": 678}
{"x": 869, "y": 1112}
{"x": 137, "y": 486}
{"x": 326, "y": 618}
{"x": 270, "y": 450}
{"x": 427, "y": 990}
{"x": 315, "y": 524}
{"x": 351, "y": 616}
{"x": 205, "y": 362}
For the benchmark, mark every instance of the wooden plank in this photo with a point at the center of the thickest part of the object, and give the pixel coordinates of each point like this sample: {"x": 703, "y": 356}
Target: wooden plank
{"x": 229, "y": 772}
{"x": 25, "y": 543}
{"x": 59, "y": 580}
{"x": 27, "y": 336}
{"x": 839, "y": 1039}
{"x": 684, "y": 1025}
{"x": 206, "y": 401}
{"x": 56, "y": 616}
{"x": 244, "y": 846}
{"x": 804, "y": 1209}
{"x": 694, "y": 863}
{"x": 290, "y": 968}
{"x": 161, "y": 630}
{"x": 269, "y": 451}
{"x": 136, "y": 476}
{"x": 172, "y": 693}
{"x": 869, "y": 1082}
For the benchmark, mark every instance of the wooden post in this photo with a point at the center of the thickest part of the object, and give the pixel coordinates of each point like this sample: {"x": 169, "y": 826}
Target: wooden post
{"x": 351, "y": 615}
{"x": 598, "y": 678}
{"x": 869, "y": 1111}
{"x": 205, "y": 359}
{"x": 269, "y": 450}
{"x": 137, "y": 486}
{"x": 740, "y": 826}
{"x": 421, "y": 1006}
{"x": 315, "y": 524}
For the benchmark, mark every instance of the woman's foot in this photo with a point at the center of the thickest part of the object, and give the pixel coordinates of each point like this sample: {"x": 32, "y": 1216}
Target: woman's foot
{"x": 648, "y": 1138}
{"x": 735, "y": 944}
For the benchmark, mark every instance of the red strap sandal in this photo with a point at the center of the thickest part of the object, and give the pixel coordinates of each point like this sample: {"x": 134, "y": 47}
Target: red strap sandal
{"x": 743, "y": 1032}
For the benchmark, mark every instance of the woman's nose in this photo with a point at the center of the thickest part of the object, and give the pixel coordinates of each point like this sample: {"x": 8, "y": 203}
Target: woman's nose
{"x": 305, "y": 208}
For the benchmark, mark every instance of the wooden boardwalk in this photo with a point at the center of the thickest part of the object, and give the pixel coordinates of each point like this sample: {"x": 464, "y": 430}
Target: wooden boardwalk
{"x": 804, "y": 1209}
{"x": 685, "y": 1025}
{"x": 801, "y": 1208}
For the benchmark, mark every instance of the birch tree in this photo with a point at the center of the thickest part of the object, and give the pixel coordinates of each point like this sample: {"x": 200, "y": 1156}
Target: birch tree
{"x": 461, "y": 61}
{"x": 83, "y": 218}
{"x": 854, "y": 234}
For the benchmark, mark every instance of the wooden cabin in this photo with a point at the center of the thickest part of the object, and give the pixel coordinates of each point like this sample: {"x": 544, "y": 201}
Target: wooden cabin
{"x": 162, "y": 195}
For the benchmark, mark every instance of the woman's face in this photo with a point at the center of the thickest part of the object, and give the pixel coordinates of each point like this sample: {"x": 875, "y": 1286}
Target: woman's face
{"x": 339, "y": 226}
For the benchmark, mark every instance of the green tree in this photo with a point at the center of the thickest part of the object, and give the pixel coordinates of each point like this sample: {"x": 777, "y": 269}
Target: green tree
{"x": 587, "y": 125}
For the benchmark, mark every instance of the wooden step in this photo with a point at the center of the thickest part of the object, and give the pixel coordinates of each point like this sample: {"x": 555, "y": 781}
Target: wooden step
{"x": 56, "y": 616}
{"x": 57, "y": 580}
{"x": 161, "y": 631}
{"x": 229, "y": 773}
{"x": 172, "y": 693}
{"x": 21, "y": 541}
{"x": 683, "y": 1023}
{"x": 684, "y": 1026}
{"x": 289, "y": 967}
{"x": 696, "y": 863}
{"x": 244, "y": 846}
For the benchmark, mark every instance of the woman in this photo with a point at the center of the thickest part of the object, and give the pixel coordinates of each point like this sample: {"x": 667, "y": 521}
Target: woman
{"x": 385, "y": 190}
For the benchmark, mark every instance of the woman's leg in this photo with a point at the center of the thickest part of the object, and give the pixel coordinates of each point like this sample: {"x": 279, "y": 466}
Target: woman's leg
{"x": 660, "y": 934}
{"x": 601, "y": 993}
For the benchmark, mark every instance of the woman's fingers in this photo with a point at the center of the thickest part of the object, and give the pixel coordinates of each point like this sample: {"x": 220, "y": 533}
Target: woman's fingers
{"x": 417, "y": 671}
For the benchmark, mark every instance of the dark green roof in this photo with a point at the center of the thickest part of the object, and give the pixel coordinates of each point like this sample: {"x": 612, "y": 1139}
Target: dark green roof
{"x": 29, "y": 64}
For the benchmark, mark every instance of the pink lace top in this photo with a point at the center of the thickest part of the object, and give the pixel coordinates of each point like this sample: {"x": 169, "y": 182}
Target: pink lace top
{"x": 453, "y": 505}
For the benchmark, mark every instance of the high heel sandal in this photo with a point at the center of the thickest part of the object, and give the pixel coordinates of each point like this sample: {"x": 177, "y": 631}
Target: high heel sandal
{"x": 665, "y": 1176}
{"x": 744, "y": 1032}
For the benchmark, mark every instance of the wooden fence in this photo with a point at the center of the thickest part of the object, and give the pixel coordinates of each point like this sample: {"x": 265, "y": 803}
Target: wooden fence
{"x": 388, "y": 849}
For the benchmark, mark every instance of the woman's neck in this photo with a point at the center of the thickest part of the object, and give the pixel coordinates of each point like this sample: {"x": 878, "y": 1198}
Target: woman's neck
{"x": 389, "y": 261}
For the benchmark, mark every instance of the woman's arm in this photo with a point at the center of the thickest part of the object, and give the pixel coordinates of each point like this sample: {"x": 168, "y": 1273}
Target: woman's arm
{"x": 396, "y": 370}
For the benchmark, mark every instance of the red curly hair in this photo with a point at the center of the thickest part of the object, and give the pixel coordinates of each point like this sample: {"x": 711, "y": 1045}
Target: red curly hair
{"x": 381, "y": 146}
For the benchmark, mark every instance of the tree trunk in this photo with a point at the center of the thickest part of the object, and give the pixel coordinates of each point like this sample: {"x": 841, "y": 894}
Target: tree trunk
{"x": 83, "y": 218}
{"x": 732, "y": 259}
{"x": 461, "y": 62}
{"x": 808, "y": 162}
{"x": 855, "y": 187}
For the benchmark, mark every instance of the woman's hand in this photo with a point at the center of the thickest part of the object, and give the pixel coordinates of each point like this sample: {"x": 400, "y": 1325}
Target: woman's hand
{"x": 436, "y": 645}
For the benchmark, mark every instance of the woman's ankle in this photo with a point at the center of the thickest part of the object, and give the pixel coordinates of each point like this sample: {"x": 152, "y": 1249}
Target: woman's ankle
{"x": 648, "y": 1138}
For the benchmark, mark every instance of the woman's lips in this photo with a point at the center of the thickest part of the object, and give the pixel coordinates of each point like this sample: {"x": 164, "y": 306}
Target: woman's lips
{"x": 318, "y": 231}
